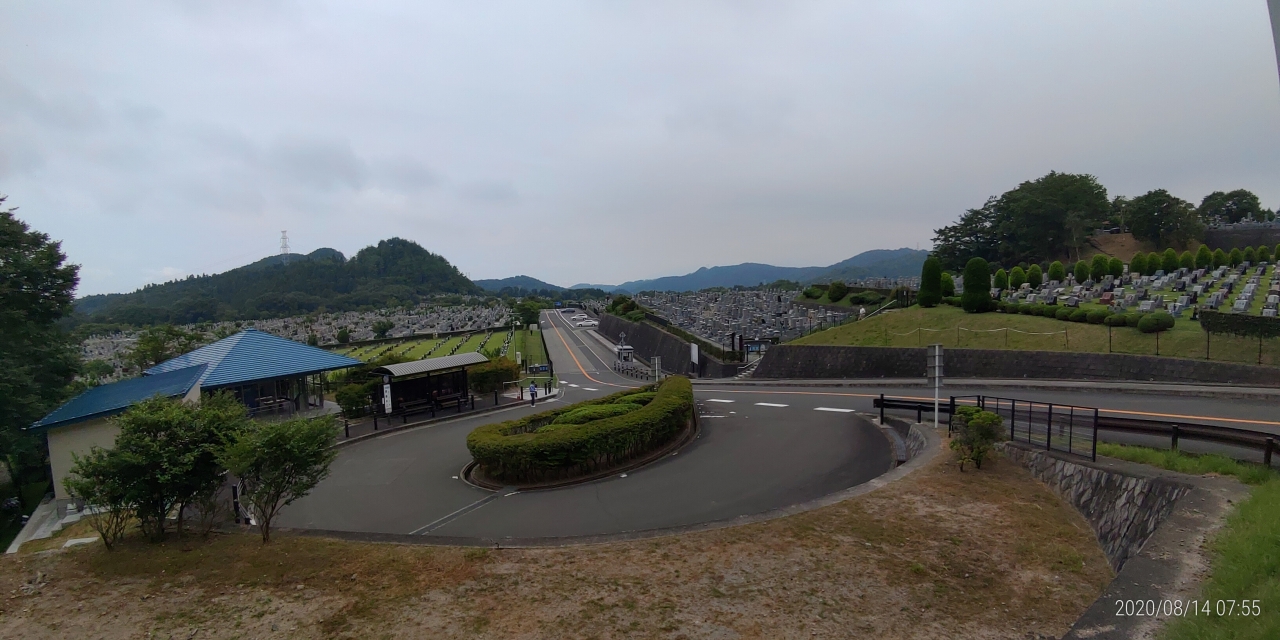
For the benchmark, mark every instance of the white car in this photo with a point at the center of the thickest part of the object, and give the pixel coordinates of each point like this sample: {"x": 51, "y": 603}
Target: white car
{"x": 588, "y": 323}
{"x": 580, "y": 316}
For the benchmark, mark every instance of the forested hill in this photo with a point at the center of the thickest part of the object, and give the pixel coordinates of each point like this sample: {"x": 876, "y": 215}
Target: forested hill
{"x": 393, "y": 272}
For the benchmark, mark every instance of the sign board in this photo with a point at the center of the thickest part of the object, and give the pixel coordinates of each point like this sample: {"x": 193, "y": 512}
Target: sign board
{"x": 693, "y": 352}
{"x": 933, "y": 363}
{"x": 518, "y": 359}
{"x": 657, "y": 368}
{"x": 386, "y": 397}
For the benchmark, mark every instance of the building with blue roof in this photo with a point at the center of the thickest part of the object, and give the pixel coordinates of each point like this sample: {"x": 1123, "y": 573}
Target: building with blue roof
{"x": 265, "y": 372}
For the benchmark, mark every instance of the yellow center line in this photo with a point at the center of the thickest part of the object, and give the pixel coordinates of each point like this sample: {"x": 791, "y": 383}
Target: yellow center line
{"x": 575, "y": 360}
{"x": 1176, "y": 416}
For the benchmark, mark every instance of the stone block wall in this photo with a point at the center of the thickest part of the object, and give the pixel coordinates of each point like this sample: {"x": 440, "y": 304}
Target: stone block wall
{"x": 649, "y": 341}
{"x": 1123, "y": 510}
{"x": 1228, "y": 239}
{"x": 816, "y": 362}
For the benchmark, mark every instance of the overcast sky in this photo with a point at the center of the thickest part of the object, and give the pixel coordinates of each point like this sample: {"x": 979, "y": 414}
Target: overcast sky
{"x": 603, "y": 141}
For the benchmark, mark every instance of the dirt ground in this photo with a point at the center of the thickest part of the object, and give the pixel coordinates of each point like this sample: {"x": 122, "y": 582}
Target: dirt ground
{"x": 939, "y": 554}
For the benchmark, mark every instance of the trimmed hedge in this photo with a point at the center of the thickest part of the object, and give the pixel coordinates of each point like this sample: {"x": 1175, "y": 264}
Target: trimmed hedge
{"x": 1155, "y": 322}
{"x": 489, "y": 376}
{"x": 583, "y": 415}
{"x": 1239, "y": 324}
{"x": 517, "y": 452}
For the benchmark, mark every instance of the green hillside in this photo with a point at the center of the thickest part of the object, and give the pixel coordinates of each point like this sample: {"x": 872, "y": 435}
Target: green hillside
{"x": 396, "y": 271}
{"x": 952, "y": 327}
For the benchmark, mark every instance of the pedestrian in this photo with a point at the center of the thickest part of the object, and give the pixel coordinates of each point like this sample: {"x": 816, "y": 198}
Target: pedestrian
{"x": 533, "y": 394}
{"x": 862, "y": 312}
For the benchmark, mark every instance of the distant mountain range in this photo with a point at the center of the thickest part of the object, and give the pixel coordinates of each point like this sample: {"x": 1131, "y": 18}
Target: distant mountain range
{"x": 877, "y": 263}
{"x": 393, "y": 272}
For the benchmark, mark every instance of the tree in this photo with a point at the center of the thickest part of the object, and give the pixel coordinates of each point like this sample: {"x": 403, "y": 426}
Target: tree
{"x": 37, "y": 359}
{"x": 1169, "y": 260}
{"x": 948, "y": 285}
{"x": 1081, "y": 271}
{"x": 837, "y": 290}
{"x": 1138, "y": 265}
{"x": 1235, "y": 257}
{"x": 382, "y": 327}
{"x": 1035, "y": 277}
{"x": 1099, "y": 265}
{"x": 1016, "y": 278}
{"x": 97, "y": 479}
{"x": 1001, "y": 280}
{"x": 279, "y": 462}
{"x": 977, "y": 233}
{"x": 1250, "y": 255}
{"x": 1164, "y": 219}
{"x": 1230, "y": 207}
{"x": 313, "y": 340}
{"x": 1120, "y": 213}
{"x": 930, "y": 283}
{"x": 1115, "y": 268}
{"x": 1204, "y": 257}
{"x": 344, "y": 336}
{"x": 976, "y": 433}
{"x": 160, "y": 343}
{"x": 1219, "y": 258}
{"x": 1187, "y": 261}
{"x": 1264, "y": 253}
{"x": 977, "y": 286}
{"x": 167, "y": 455}
{"x": 1057, "y": 272}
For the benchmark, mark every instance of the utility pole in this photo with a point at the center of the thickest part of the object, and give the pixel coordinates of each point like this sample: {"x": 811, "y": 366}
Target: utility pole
{"x": 935, "y": 376}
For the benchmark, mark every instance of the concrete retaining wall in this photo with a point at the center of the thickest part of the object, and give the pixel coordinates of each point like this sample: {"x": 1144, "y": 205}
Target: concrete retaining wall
{"x": 1124, "y": 510}
{"x": 826, "y": 362}
{"x": 649, "y": 341}
{"x": 1228, "y": 239}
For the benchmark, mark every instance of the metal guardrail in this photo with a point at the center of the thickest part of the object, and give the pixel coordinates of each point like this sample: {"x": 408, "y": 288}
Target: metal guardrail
{"x": 1073, "y": 429}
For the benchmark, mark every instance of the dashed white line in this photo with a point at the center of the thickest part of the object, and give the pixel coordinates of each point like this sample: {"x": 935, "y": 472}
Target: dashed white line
{"x": 573, "y": 385}
{"x": 833, "y": 409}
{"x": 770, "y": 404}
{"x": 718, "y": 400}
{"x": 589, "y": 389}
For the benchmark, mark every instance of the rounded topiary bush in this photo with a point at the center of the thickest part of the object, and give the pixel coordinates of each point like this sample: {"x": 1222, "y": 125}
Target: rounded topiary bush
{"x": 1049, "y": 311}
{"x": 1114, "y": 320}
{"x": 1063, "y": 314}
{"x": 584, "y": 415}
{"x": 1097, "y": 316}
{"x": 1131, "y": 319}
{"x": 1153, "y": 322}
{"x": 1079, "y": 315}
{"x": 1024, "y": 309}
{"x": 524, "y": 451}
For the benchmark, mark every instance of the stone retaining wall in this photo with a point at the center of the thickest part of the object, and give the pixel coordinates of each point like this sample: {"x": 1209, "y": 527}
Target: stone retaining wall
{"x": 825, "y": 362}
{"x": 1228, "y": 239}
{"x": 1124, "y": 510}
{"x": 649, "y": 341}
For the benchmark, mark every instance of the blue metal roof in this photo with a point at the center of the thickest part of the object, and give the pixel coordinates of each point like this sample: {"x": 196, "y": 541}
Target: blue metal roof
{"x": 110, "y": 399}
{"x": 254, "y": 355}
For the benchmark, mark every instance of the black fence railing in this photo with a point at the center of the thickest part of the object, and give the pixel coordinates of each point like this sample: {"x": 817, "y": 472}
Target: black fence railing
{"x": 1072, "y": 429}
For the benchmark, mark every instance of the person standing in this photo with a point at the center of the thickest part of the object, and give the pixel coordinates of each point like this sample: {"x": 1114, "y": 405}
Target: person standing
{"x": 862, "y": 312}
{"x": 533, "y": 394}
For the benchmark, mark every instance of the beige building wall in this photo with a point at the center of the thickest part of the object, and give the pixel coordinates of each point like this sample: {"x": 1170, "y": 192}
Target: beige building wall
{"x": 76, "y": 438}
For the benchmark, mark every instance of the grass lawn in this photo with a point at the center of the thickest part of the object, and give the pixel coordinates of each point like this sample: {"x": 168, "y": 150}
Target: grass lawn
{"x": 952, "y": 327}
{"x": 1246, "y": 562}
{"x": 939, "y": 554}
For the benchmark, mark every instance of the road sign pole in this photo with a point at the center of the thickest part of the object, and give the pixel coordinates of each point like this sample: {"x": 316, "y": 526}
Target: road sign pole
{"x": 935, "y": 372}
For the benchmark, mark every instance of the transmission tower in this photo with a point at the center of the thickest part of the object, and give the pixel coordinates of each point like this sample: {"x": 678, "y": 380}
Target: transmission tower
{"x": 284, "y": 247}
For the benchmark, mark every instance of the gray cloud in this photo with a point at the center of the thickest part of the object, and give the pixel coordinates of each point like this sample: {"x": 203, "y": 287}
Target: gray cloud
{"x": 163, "y": 138}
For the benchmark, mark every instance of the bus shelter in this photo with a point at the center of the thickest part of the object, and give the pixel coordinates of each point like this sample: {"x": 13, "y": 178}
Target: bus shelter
{"x": 425, "y": 385}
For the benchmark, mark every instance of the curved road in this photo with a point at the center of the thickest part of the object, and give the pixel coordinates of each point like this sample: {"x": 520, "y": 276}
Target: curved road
{"x": 759, "y": 448}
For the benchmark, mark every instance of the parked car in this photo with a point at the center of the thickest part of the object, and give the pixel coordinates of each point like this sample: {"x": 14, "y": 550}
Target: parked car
{"x": 588, "y": 323}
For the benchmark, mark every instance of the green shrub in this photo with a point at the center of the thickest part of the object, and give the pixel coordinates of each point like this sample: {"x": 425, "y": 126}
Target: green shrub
{"x": 1016, "y": 278}
{"x": 641, "y": 398}
{"x": 1082, "y": 271}
{"x": 977, "y": 286}
{"x": 866, "y": 297}
{"x": 1264, "y": 253}
{"x": 354, "y": 398}
{"x": 1024, "y": 309}
{"x": 837, "y": 291}
{"x": 1063, "y": 313}
{"x": 1187, "y": 261}
{"x": 583, "y": 415}
{"x": 1169, "y": 260}
{"x": 1035, "y": 277}
{"x": 1204, "y": 257}
{"x": 1250, "y": 255}
{"x": 1155, "y": 322}
{"x": 517, "y": 452}
{"x": 489, "y": 376}
{"x": 948, "y": 285}
{"x": 951, "y": 300}
{"x": 1235, "y": 257}
{"x": 1115, "y": 320}
{"x": 974, "y": 434}
{"x": 1001, "y": 280}
{"x": 1138, "y": 265}
{"x": 636, "y": 315}
{"x": 1098, "y": 267}
{"x": 1115, "y": 268}
{"x": 1131, "y": 319}
{"x": 1219, "y": 258}
{"x": 1098, "y": 316}
{"x": 1079, "y": 315}
{"x": 813, "y": 293}
{"x": 1049, "y": 310}
{"x": 1057, "y": 272}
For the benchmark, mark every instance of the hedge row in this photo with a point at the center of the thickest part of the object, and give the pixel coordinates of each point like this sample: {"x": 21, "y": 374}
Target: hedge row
{"x": 1240, "y": 324}
{"x": 1144, "y": 322}
{"x": 517, "y": 452}
{"x": 489, "y": 376}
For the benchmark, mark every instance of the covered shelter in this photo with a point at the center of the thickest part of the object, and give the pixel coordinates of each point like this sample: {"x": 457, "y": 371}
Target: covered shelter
{"x": 82, "y": 423}
{"x": 427, "y": 384}
{"x": 265, "y": 372}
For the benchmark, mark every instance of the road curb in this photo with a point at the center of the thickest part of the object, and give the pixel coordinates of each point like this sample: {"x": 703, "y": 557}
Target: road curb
{"x": 435, "y": 421}
{"x": 1138, "y": 388}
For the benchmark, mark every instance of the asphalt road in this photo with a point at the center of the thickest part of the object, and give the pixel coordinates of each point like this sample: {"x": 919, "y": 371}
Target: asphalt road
{"x": 749, "y": 458}
{"x": 760, "y": 448}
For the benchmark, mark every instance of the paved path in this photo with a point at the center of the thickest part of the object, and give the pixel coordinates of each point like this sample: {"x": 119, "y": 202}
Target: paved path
{"x": 761, "y": 448}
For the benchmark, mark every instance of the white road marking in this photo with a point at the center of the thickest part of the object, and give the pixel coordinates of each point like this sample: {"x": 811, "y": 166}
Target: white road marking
{"x": 589, "y": 389}
{"x": 573, "y": 385}
{"x": 833, "y": 409}
{"x": 770, "y": 404}
{"x": 718, "y": 400}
